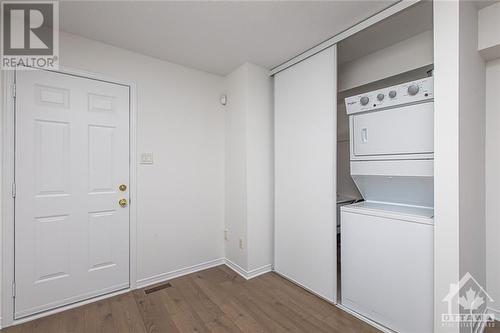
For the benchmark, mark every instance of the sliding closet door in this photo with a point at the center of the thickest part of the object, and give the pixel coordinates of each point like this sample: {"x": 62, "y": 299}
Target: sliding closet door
{"x": 305, "y": 176}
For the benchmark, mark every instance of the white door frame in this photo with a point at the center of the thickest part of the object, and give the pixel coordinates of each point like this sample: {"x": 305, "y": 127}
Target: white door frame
{"x": 7, "y": 142}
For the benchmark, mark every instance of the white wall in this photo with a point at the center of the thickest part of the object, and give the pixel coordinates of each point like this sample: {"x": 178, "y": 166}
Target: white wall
{"x": 493, "y": 183}
{"x": 249, "y": 168}
{"x": 345, "y": 185}
{"x": 236, "y": 160}
{"x": 459, "y": 151}
{"x": 180, "y": 199}
{"x": 489, "y": 45}
{"x": 260, "y": 168}
{"x": 446, "y": 156}
{"x": 406, "y": 55}
{"x": 472, "y": 147}
{"x": 489, "y": 31}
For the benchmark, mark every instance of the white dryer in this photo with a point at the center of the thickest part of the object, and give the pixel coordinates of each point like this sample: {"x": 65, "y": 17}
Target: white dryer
{"x": 387, "y": 240}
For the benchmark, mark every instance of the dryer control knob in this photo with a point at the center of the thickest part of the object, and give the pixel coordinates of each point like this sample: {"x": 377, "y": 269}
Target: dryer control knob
{"x": 380, "y": 97}
{"x": 413, "y": 89}
{"x": 392, "y": 93}
{"x": 364, "y": 100}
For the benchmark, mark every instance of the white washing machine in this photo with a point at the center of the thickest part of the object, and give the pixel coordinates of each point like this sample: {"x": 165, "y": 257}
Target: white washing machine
{"x": 387, "y": 240}
{"x": 387, "y": 264}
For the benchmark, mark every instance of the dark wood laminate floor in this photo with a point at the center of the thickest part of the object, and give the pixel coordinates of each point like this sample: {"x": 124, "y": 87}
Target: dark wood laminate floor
{"x": 213, "y": 300}
{"x": 493, "y": 328}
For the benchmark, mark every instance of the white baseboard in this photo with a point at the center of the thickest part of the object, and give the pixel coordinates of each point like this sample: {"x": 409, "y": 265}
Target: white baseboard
{"x": 179, "y": 272}
{"x": 199, "y": 267}
{"x": 236, "y": 268}
{"x": 259, "y": 271}
{"x": 247, "y": 275}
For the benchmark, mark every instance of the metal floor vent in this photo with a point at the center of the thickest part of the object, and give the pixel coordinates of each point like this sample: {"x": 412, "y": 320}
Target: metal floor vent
{"x": 159, "y": 287}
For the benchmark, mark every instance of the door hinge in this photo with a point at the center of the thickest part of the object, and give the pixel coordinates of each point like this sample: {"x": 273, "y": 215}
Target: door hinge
{"x": 13, "y": 289}
{"x": 14, "y": 190}
{"x": 14, "y": 90}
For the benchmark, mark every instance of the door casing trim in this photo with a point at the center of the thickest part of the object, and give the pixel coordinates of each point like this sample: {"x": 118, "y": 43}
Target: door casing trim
{"x": 7, "y": 143}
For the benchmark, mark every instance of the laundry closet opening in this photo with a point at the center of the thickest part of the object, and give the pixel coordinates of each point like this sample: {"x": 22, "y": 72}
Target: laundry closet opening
{"x": 384, "y": 169}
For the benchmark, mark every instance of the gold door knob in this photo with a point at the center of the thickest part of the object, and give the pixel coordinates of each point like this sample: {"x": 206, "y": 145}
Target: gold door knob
{"x": 123, "y": 202}
{"x": 123, "y": 187}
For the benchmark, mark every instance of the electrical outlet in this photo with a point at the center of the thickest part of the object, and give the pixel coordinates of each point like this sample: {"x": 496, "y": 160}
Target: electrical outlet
{"x": 241, "y": 243}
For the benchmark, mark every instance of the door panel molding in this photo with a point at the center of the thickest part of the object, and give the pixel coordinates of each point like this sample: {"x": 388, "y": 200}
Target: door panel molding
{"x": 7, "y": 142}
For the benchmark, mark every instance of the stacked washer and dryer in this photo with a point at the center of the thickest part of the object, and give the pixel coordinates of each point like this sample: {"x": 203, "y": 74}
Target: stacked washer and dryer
{"x": 387, "y": 240}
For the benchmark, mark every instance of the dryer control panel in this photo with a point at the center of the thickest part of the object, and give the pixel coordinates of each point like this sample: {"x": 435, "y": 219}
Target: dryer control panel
{"x": 395, "y": 96}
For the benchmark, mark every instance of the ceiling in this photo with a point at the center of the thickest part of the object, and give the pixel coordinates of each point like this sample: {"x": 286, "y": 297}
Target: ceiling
{"x": 215, "y": 36}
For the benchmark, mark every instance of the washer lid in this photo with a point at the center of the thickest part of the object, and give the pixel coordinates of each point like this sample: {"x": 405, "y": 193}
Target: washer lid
{"x": 407, "y": 213}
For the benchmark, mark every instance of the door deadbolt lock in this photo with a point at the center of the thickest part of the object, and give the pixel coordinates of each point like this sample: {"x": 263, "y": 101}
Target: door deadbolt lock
{"x": 123, "y": 187}
{"x": 123, "y": 202}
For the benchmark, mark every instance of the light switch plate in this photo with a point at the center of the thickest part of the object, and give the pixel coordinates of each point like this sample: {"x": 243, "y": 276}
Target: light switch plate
{"x": 147, "y": 158}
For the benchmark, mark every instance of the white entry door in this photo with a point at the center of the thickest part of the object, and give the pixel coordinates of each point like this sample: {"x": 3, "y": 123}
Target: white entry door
{"x": 72, "y": 155}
